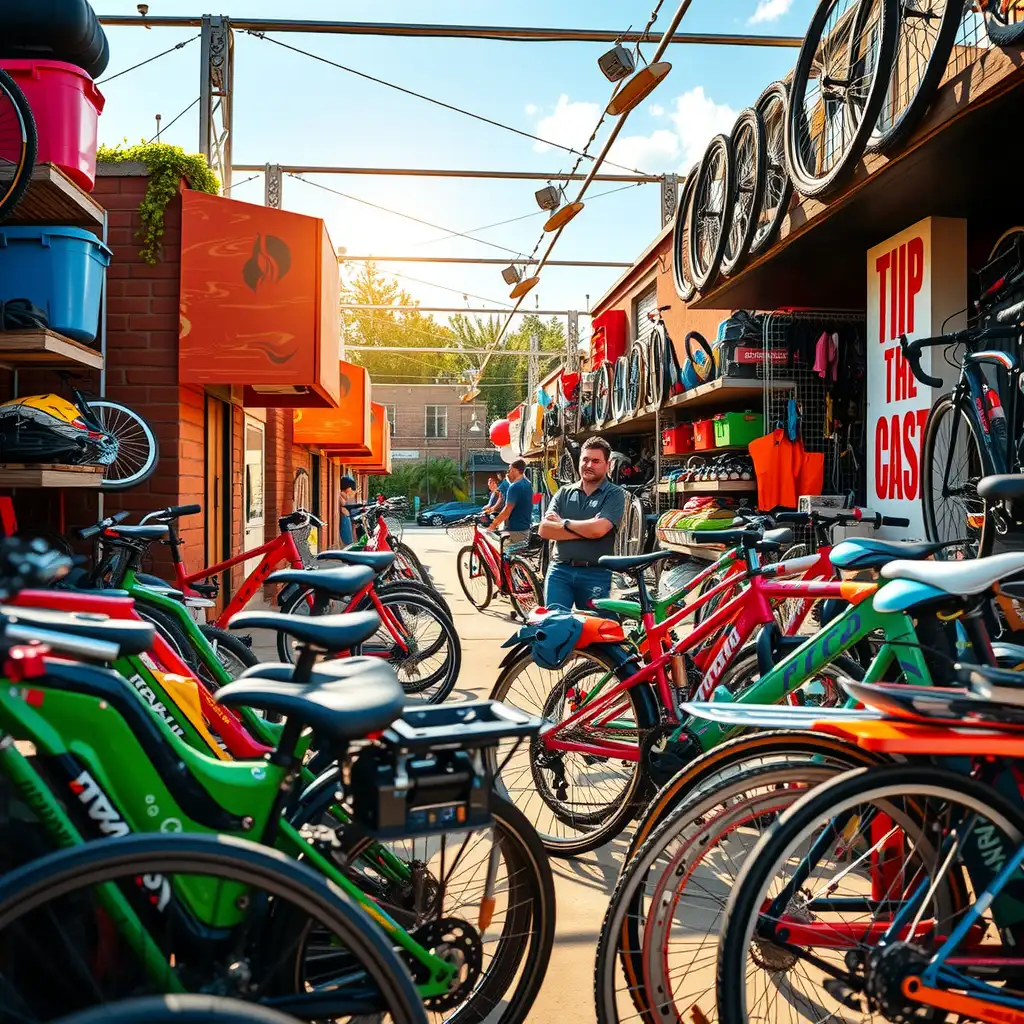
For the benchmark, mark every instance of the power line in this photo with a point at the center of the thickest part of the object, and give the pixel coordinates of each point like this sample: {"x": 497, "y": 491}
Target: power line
{"x": 148, "y": 60}
{"x": 244, "y": 181}
{"x": 177, "y": 117}
{"x": 430, "y": 99}
{"x": 406, "y": 216}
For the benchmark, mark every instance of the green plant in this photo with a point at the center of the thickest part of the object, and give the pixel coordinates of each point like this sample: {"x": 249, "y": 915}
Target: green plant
{"x": 439, "y": 479}
{"x": 167, "y": 166}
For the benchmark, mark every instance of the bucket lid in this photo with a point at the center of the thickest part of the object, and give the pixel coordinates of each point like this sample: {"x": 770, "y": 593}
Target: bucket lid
{"x": 32, "y": 232}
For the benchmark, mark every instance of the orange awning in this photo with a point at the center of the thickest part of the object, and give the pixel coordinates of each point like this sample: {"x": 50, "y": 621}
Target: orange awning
{"x": 259, "y": 303}
{"x": 378, "y": 463}
{"x": 345, "y": 430}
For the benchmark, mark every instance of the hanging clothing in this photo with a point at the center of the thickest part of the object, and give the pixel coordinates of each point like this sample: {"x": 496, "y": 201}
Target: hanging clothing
{"x": 785, "y": 470}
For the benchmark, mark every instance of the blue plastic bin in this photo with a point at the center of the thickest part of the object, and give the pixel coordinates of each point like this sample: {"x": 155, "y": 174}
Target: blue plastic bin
{"x": 59, "y": 269}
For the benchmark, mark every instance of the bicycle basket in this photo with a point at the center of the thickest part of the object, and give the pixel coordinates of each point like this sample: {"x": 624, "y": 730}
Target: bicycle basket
{"x": 300, "y": 534}
{"x": 461, "y": 533}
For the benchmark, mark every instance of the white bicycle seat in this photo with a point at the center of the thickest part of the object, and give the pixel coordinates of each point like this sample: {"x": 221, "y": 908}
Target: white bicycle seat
{"x": 964, "y": 577}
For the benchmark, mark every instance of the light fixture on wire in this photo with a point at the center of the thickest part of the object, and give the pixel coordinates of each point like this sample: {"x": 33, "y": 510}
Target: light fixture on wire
{"x": 524, "y": 287}
{"x": 562, "y": 217}
{"x": 470, "y": 396}
{"x": 638, "y": 88}
{"x": 511, "y": 274}
{"x": 474, "y": 426}
{"x": 617, "y": 63}
{"x": 549, "y": 197}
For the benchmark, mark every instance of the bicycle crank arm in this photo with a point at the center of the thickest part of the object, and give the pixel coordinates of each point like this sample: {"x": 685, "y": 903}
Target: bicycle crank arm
{"x": 967, "y": 1006}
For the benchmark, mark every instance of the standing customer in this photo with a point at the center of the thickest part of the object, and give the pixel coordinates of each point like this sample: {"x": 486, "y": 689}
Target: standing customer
{"x": 582, "y": 521}
{"x": 495, "y": 501}
{"x": 347, "y": 486}
{"x": 518, "y": 511}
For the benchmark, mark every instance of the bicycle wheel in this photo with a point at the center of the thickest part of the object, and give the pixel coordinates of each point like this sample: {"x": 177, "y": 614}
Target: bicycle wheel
{"x": 682, "y": 277}
{"x": 837, "y": 91}
{"x": 170, "y": 629}
{"x": 425, "y": 590}
{"x": 951, "y": 498}
{"x": 925, "y": 37}
{"x": 750, "y": 163}
{"x": 18, "y": 144}
{"x": 868, "y": 839}
{"x": 474, "y": 577}
{"x": 711, "y": 212}
{"x": 620, "y": 388}
{"x": 1004, "y": 21}
{"x": 636, "y": 374}
{"x": 576, "y": 801}
{"x": 406, "y": 566}
{"x": 233, "y": 653}
{"x": 603, "y": 395}
{"x": 656, "y": 946}
{"x": 778, "y": 188}
{"x": 525, "y": 590}
{"x": 180, "y": 1009}
{"x": 137, "y": 451}
{"x": 144, "y": 915}
{"x": 654, "y": 387}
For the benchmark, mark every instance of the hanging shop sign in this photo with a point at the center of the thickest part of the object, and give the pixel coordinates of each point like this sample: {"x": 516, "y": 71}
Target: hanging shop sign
{"x": 259, "y": 303}
{"x": 378, "y": 463}
{"x": 917, "y": 285}
{"x": 344, "y": 430}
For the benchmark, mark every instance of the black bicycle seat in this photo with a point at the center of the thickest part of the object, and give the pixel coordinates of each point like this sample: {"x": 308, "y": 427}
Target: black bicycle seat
{"x": 874, "y": 552}
{"x": 327, "y": 633}
{"x": 137, "y": 533}
{"x": 1001, "y": 487}
{"x": 781, "y": 535}
{"x": 337, "y": 711}
{"x": 339, "y": 670}
{"x": 378, "y": 561}
{"x": 342, "y": 582}
{"x": 632, "y": 563}
{"x": 130, "y": 636}
{"x": 752, "y": 539}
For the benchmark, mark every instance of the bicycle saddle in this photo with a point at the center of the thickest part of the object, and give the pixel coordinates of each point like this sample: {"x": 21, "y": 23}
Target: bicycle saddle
{"x": 337, "y": 711}
{"x": 632, "y": 563}
{"x": 781, "y": 535}
{"x": 327, "y": 633}
{"x": 130, "y": 636}
{"x": 378, "y": 561}
{"x": 1001, "y": 487}
{"x": 342, "y": 582}
{"x": 137, "y": 533}
{"x": 873, "y": 552}
{"x": 754, "y": 539}
{"x": 340, "y": 670}
{"x": 971, "y": 577}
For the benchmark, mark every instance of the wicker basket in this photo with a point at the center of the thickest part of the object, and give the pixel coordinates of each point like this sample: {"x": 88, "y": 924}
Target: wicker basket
{"x": 462, "y": 531}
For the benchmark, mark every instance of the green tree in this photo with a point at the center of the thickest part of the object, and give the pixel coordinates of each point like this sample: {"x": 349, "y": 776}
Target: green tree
{"x": 440, "y": 479}
{"x": 403, "y": 483}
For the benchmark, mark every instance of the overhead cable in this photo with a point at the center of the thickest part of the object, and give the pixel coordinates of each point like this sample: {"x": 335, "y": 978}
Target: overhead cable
{"x": 175, "y": 118}
{"x": 148, "y": 60}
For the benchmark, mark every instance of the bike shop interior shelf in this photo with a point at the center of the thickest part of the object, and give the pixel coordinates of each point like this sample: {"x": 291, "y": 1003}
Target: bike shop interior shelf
{"x": 21, "y": 474}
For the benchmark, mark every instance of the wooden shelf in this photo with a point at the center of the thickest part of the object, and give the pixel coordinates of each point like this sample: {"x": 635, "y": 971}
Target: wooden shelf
{"x": 22, "y": 349}
{"x": 711, "y": 487}
{"x": 707, "y": 451}
{"x": 20, "y": 474}
{"x": 53, "y": 198}
{"x": 725, "y": 390}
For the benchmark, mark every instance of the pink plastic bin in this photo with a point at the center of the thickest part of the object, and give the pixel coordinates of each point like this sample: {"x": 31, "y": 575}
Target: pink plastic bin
{"x": 66, "y": 105}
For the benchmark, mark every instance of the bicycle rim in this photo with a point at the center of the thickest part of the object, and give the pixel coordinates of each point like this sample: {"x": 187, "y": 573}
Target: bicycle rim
{"x": 711, "y": 212}
{"x": 682, "y": 276}
{"x": 524, "y": 587}
{"x": 778, "y": 187}
{"x": 748, "y": 145}
{"x": 18, "y": 144}
{"x": 474, "y": 577}
{"x": 137, "y": 449}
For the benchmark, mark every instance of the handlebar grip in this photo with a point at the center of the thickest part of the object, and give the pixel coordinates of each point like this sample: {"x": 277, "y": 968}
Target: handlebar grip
{"x": 87, "y": 532}
{"x": 912, "y": 353}
{"x": 895, "y": 521}
{"x": 1012, "y": 314}
{"x": 184, "y": 510}
{"x": 792, "y": 517}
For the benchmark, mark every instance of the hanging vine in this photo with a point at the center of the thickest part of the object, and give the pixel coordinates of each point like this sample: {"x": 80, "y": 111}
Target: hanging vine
{"x": 167, "y": 166}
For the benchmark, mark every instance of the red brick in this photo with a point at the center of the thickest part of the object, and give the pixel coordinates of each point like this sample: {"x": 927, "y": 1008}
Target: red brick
{"x": 146, "y": 321}
{"x": 145, "y": 270}
{"x": 117, "y": 269}
{"x": 165, "y": 306}
{"x": 150, "y": 375}
{"x": 166, "y": 288}
{"x": 124, "y": 340}
{"x": 138, "y": 287}
{"x": 129, "y": 304}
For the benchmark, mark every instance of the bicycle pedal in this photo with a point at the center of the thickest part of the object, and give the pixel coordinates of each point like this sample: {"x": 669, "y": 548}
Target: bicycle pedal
{"x": 843, "y": 994}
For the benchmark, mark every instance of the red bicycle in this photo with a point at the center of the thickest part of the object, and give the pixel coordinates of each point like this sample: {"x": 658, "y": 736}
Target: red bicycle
{"x": 484, "y": 569}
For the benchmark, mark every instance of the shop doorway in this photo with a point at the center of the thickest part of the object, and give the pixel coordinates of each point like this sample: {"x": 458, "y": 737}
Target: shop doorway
{"x": 217, "y": 488}
{"x": 254, "y": 469}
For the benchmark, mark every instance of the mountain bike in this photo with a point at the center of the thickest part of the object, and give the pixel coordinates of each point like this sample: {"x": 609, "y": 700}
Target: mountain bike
{"x": 484, "y": 570}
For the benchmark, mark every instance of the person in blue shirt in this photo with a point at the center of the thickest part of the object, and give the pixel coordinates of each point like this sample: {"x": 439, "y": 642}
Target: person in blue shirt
{"x": 516, "y": 516}
{"x": 347, "y": 486}
{"x": 496, "y": 499}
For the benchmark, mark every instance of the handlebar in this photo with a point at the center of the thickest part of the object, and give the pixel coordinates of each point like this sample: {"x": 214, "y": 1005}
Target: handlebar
{"x": 88, "y": 532}
{"x": 300, "y": 517}
{"x": 970, "y": 335}
{"x": 77, "y": 646}
{"x": 842, "y": 517}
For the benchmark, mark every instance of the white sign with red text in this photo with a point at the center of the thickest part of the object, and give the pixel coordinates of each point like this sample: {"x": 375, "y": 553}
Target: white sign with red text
{"x": 917, "y": 285}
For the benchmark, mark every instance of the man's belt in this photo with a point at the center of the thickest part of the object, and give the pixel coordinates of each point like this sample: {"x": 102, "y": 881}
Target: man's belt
{"x": 583, "y": 565}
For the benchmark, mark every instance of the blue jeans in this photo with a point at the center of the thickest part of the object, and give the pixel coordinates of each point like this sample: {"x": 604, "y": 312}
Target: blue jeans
{"x": 568, "y": 585}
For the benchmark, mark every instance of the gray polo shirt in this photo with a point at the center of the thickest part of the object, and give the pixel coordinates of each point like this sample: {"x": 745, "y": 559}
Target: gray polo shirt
{"x": 573, "y": 503}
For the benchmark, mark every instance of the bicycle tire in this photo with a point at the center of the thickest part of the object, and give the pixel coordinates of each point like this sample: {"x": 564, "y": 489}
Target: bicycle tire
{"x": 235, "y": 860}
{"x": 180, "y": 1009}
{"x": 944, "y": 530}
{"x": 603, "y": 395}
{"x": 778, "y": 187}
{"x": 123, "y": 424}
{"x": 23, "y": 123}
{"x": 682, "y": 276}
{"x": 636, "y": 378}
{"x": 850, "y": 789}
{"x": 750, "y": 165}
{"x": 465, "y": 561}
{"x": 620, "y": 388}
{"x": 170, "y": 629}
{"x": 711, "y": 212}
{"x": 802, "y": 114}
{"x": 1001, "y": 30}
{"x": 235, "y": 647}
{"x": 407, "y": 565}
{"x": 901, "y": 113}
{"x": 530, "y": 587}
{"x": 593, "y": 834}
{"x": 426, "y": 590}
{"x": 710, "y": 368}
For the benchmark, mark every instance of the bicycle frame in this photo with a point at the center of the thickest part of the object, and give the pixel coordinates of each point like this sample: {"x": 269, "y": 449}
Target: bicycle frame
{"x": 495, "y": 562}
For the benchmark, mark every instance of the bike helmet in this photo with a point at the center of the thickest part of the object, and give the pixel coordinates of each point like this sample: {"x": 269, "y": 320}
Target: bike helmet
{"x": 48, "y": 428}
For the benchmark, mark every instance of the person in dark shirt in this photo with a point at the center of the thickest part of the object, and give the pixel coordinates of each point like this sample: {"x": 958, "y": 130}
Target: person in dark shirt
{"x": 582, "y": 521}
{"x": 495, "y": 501}
{"x": 516, "y": 515}
{"x": 347, "y": 486}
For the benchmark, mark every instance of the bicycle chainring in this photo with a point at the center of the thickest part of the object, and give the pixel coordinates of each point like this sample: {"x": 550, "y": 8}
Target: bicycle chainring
{"x": 457, "y": 943}
{"x": 886, "y": 969}
{"x": 664, "y": 759}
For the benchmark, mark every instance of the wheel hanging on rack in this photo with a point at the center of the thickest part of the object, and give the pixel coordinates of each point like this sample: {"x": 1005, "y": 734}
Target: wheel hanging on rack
{"x": 711, "y": 212}
{"x": 636, "y": 377}
{"x": 602, "y": 395}
{"x": 749, "y": 164}
{"x": 778, "y": 188}
{"x": 18, "y": 144}
{"x": 927, "y": 31}
{"x": 657, "y": 367}
{"x": 1004, "y": 20}
{"x": 681, "y": 275}
{"x": 837, "y": 91}
{"x": 620, "y": 381}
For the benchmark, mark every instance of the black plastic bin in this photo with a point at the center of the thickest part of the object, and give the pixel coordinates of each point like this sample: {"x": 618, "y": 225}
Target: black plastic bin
{"x": 66, "y": 30}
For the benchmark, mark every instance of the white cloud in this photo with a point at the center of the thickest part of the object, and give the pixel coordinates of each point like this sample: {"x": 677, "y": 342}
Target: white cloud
{"x": 570, "y": 124}
{"x": 769, "y": 10}
{"x": 531, "y": 109}
{"x": 697, "y": 119}
{"x": 656, "y": 110}
{"x": 654, "y": 152}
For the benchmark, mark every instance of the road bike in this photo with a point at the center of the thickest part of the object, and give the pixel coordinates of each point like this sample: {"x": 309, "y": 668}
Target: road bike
{"x": 484, "y": 570}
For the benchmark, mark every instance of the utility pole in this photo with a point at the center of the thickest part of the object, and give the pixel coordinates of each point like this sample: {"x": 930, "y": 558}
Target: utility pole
{"x": 572, "y": 342}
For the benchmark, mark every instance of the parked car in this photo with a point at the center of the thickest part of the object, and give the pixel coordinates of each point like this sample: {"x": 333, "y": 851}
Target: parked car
{"x": 447, "y": 512}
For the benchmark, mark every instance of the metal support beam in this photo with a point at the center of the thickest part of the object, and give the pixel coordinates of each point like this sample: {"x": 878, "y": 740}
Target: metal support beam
{"x": 453, "y": 351}
{"x": 459, "y": 309}
{"x": 502, "y": 33}
{"x": 572, "y": 343}
{"x": 217, "y": 74}
{"x": 482, "y": 261}
{"x": 532, "y": 369}
{"x": 669, "y": 198}
{"x": 443, "y": 172}
{"x": 272, "y": 186}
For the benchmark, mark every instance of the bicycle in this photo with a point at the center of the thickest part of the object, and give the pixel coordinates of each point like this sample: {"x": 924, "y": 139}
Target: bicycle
{"x": 483, "y": 570}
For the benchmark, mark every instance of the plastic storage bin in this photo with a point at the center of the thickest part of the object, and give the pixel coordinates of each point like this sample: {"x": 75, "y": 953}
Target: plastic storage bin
{"x": 66, "y": 105}
{"x": 677, "y": 440}
{"x": 61, "y": 270}
{"x": 737, "y": 428}
{"x": 703, "y": 435}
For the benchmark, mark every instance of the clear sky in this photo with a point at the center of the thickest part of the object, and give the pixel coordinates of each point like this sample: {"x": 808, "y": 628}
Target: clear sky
{"x": 290, "y": 109}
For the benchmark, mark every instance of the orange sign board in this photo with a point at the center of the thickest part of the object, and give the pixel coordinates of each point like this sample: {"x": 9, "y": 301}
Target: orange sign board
{"x": 346, "y": 429}
{"x": 378, "y": 463}
{"x": 259, "y": 302}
